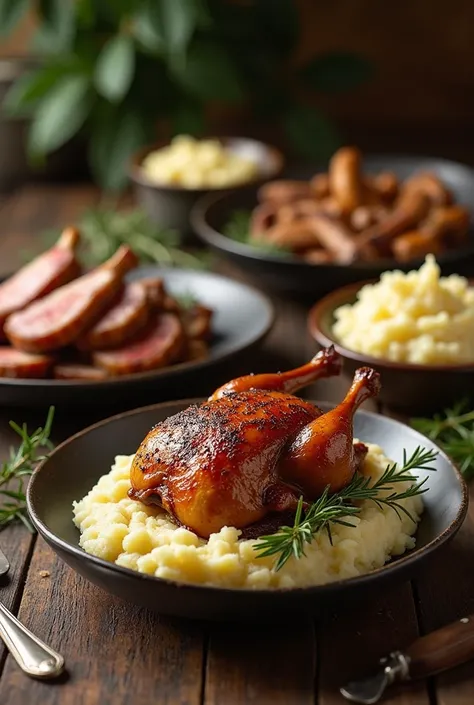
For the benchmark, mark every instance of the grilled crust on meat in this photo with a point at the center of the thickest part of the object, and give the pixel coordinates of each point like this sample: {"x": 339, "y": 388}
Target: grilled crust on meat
{"x": 160, "y": 344}
{"x": 215, "y": 464}
{"x": 20, "y": 365}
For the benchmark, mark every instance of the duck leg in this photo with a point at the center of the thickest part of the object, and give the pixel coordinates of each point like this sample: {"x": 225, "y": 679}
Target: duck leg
{"x": 327, "y": 363}
{"x": 322, "y": 454}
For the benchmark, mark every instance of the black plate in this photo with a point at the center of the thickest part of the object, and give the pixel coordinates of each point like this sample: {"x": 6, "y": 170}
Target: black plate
{"x": 242, "y": 318}
{"x": 75, "y": 466}
{"x": 293, "y": 275}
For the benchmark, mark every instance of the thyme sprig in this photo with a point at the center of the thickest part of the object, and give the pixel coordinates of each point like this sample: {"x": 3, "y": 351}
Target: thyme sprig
{"x": 453, "y": 431}
{"x": 339, "y": 507}
{"x": 18, "y": 467}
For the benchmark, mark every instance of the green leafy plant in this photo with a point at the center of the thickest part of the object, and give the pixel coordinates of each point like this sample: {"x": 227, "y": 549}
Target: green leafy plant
{"x": 337, "y": 508}
{"x": 104, "y": 229}
{"x": 453, "y": 431}
{"x": 18, "y": 467}
{"x": 115, "y": 70}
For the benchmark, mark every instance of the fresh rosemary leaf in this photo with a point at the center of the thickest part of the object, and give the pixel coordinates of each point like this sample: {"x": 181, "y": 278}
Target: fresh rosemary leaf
{"x": 21, "y": 463}
{"x": 453, "y": 431}
{"x": 105, "y": 228}
{"x": 337, "y": 508}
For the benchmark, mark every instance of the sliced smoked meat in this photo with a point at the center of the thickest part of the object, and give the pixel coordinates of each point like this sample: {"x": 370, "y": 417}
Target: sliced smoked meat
{"x": 61, "y": 317}
{"x": 159, "y": 345}
{"x": 155, "y": 291}
{"x": 14, "y": 363}
{"x": 84, "y": 372}
{"x": 120, "y": 323}
{"x": 47, "y": 272}
{"x": 197, "y": 321}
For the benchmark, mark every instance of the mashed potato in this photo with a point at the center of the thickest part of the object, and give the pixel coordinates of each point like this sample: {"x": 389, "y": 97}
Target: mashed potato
{"x": 118, "y": 529}
{"x": 418, "y": 317}
{"x": 198, "y": 164}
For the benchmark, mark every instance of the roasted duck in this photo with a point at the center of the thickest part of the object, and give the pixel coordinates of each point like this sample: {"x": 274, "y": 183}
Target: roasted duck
{"x": 251, "y": 450}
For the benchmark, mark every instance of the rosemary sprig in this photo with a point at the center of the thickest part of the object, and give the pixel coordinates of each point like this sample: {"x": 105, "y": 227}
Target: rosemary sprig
{"x": 21, "y": 464}
{"x": 337, "y": 508}
{"x": 238, "y": 228}
{"x": 105, "y": 228}
{"x": 453, "y": 431}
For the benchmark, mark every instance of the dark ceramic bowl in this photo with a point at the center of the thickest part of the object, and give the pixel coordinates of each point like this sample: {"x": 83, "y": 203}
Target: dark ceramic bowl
{"x": 170, "y": 205}
{"x": 242, "y": 318}
{"x": 292, "y": 275}
{"x": 76, "y": 465}
{"x": 408, "y": 388}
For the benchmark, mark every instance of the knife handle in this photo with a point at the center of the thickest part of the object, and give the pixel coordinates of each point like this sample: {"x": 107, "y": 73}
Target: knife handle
{"x": 441, "y": 650}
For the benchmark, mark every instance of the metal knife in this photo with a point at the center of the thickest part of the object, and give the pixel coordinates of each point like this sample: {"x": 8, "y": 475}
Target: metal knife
{"x": 4, "y": 564}
{"x": 438, "y": 651}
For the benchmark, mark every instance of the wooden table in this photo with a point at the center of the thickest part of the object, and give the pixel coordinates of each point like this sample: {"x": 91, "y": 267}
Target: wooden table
{"x": 116, "y": 653}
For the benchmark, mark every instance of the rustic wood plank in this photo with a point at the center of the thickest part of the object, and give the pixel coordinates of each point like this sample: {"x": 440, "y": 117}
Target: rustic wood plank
{"x": 15, "y": 541}
{"x": 445, "y": 592}
{"x": 351, "y": 644}
{"x": 29, "y": 211}
{"x": 115, "y": 653}
{"x": 270, "y": 665}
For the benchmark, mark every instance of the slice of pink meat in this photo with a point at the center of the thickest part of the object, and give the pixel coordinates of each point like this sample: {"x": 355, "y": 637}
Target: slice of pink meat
{"x": 159, "y": 345}
{"x": 17, "y": 364}
{"x": 60, "y": 318}
{"x": 47, "y": 272}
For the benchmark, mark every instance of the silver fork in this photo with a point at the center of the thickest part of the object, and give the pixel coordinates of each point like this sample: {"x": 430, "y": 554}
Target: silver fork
{"x": 34, "y": 657}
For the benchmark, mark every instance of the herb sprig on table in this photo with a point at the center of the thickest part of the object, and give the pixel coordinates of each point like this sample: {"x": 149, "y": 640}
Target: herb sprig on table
{"x": 105, "y": 228}
{"x": 18, "y": 467}
{"x": 337, "y": 508}
{"x": 453, "y": 431}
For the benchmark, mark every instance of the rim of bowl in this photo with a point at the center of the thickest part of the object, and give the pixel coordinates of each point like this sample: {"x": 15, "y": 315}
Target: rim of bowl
{"x": 215, "y": 238}
{"x": 138, "y": 176}
{"x": 344, "y": 295}
{"x": 407, "y": 559}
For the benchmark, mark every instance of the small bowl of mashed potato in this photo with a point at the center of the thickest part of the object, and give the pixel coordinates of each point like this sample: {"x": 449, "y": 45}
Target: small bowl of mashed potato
{"x": 416, "y": 327}
{"x": 169, "y": 178}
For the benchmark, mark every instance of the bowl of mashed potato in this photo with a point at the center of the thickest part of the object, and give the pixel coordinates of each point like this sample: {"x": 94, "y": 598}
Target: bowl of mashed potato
{"x": 415, "y": 327}
{"x": 169, "y": 178}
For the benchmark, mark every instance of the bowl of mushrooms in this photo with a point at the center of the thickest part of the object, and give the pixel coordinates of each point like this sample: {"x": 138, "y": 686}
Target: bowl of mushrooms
{"x": 319, "y": 230}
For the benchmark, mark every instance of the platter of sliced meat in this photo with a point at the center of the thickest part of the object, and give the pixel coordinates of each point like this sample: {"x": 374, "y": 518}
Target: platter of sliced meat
{"x": 124, "y": 331}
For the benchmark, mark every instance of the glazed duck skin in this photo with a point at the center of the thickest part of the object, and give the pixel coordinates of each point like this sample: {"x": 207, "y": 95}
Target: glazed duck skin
{"x": 251, "y": 450}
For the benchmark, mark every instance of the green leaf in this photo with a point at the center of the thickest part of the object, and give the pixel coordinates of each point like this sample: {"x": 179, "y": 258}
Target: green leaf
{"x": 147, "y": 26}
{"x": 179, "y": 19}
{"x": 115, "y": 67}
{"x": 11, "y": 12}
{"x": 112, "y": 144}
{"x": 209, "y": 74}
{"x": 310, "y": 132}
{"x": 60, "y": 115}
{"x": 26, "y": 92}
{"x": 335, "y": 73}
{"x": 280, "y": 23}
{"x": 58, "y": 21}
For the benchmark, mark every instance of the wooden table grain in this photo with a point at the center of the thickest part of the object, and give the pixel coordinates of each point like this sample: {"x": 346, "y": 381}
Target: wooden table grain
{"x": 120, "y": 654}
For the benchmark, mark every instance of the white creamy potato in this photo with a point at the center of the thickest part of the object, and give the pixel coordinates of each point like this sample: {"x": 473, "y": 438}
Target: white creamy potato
{"x": 143, "y": 538}
{"x": 417, "y": 317}
{"x": 196, "y": 164}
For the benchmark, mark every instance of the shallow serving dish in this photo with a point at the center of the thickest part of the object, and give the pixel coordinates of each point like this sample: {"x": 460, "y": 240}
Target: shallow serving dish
{"x": 170, "y": 205}
{"x": 406, "y": 387}
{"x": 75, "y": 466}
{"x": 293, "y": 275}
{"x": 242, "y": 318}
